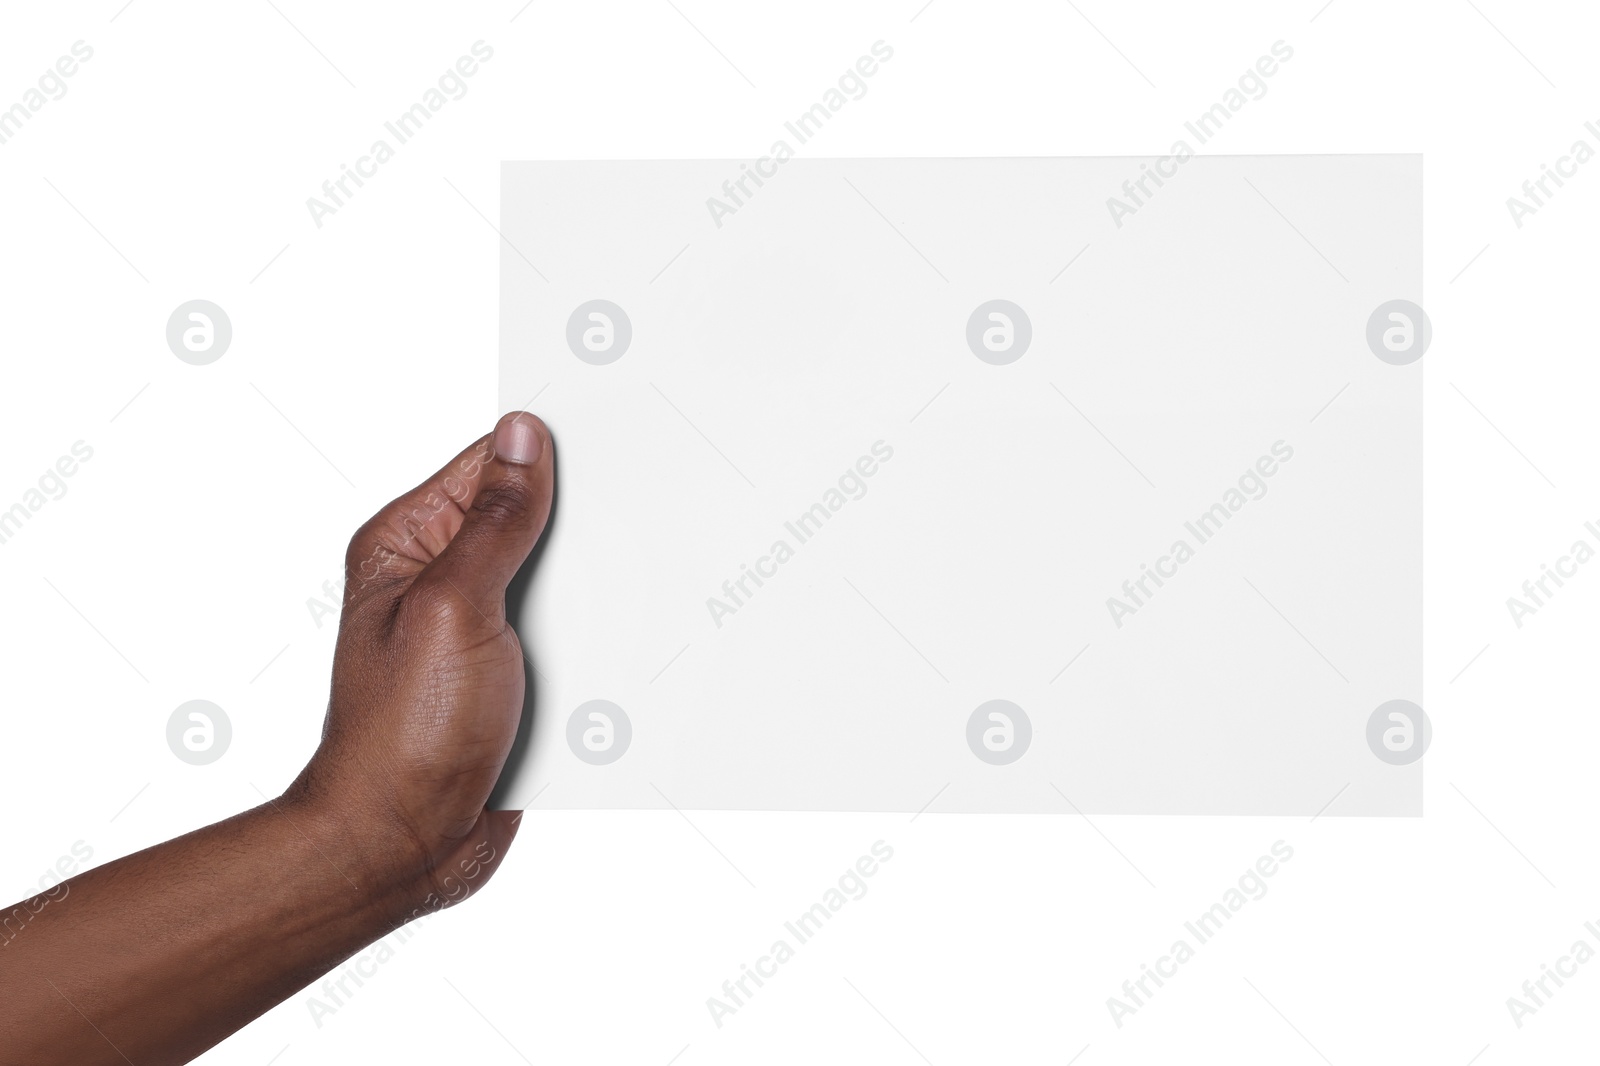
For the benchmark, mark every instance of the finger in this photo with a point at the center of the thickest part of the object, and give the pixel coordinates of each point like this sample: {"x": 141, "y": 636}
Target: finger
{"x": 408, "y": 532}
{"x": 504, "y": 517}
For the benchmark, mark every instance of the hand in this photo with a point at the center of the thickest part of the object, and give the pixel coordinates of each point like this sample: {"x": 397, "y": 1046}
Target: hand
{"x": 155, "y": 957}
{"x": 427, "y": 675}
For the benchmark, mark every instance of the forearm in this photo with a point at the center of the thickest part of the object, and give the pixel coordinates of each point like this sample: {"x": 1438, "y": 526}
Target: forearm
{"x": 159, "y": 955}
{"x": 154, "y": 958}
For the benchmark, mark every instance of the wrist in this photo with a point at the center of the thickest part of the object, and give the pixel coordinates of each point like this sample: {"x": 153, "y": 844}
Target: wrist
{"x": 384, "y": 867}
{"x": 386, "y": 859}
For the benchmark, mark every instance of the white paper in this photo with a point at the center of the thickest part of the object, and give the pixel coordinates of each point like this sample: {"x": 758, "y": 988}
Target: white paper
{"x": 819, "y": 329}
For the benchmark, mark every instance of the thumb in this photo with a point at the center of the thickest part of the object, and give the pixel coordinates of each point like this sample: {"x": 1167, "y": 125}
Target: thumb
{"x": 505, "y": 515}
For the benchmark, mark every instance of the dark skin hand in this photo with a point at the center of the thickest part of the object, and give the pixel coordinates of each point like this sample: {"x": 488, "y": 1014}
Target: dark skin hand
{"x": 156, "y": 957}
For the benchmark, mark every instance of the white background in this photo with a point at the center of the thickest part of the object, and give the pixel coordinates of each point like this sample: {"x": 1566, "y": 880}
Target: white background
{"x": 220, "y": 499}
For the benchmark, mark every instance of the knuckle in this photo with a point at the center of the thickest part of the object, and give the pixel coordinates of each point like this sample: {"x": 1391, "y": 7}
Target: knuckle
{"x": 362, "y": 543}
{"x": 508, "y": 502}
{"x": 435, "y": 605}
{"x": 363, "y": 559}
{"x": 368, "y": 556}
